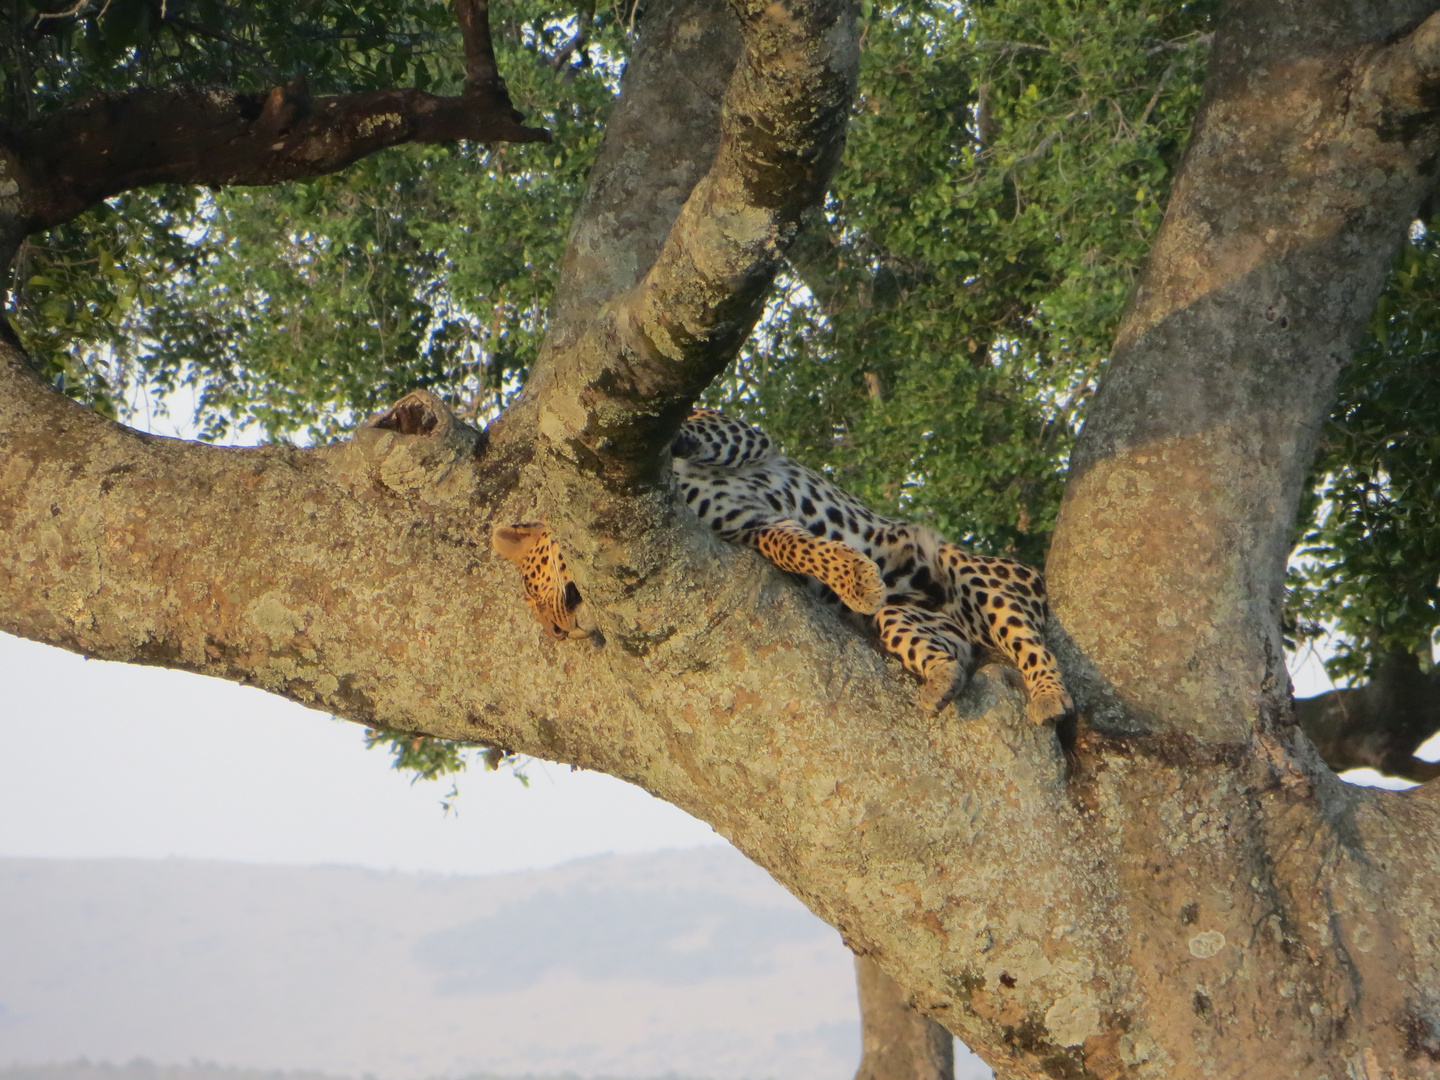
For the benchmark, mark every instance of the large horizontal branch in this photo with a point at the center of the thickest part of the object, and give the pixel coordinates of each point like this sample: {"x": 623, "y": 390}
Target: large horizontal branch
{"x": 1379, "y": 725}
{"x": 357, "y": 579}
{"x": 1116, "y": 921}
{"x": 954, "y": 851}
{"x": 76, "y": 157}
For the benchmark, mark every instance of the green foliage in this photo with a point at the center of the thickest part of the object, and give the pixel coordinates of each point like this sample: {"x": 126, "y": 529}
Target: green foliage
{"x": 949, "y": 313}
{"x": 54, "y": 58}
{"x": 77, "y": 289}
{"x": 427, "y": 758}
{"x": 1368, "y": 572}
{"x": 298, "y": 309}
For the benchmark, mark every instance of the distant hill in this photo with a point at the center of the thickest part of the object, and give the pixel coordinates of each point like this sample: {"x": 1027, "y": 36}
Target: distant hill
{"x": 140, "y": 1069}
{"x": 686, "y": 962}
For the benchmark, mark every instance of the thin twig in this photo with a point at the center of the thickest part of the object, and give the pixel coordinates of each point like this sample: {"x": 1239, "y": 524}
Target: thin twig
{"x": 1044, "y": 145}
{"x": 74, "y": 9}
{"x": 1012, "y": 45}
{"x": 1155, "y": 97}
{"x": 1176, "y": 44}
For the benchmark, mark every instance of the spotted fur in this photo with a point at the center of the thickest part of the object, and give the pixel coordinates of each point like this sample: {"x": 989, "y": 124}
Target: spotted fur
{"x": 550, "y": 592}
{"x": 934, "y": 604}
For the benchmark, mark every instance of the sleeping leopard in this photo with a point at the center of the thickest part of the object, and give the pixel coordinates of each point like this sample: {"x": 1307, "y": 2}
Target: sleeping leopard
{"x": 933, "y": 604}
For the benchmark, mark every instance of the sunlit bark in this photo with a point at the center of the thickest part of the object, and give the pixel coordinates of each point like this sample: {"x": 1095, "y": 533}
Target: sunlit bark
{"x": 1191, "y": 893}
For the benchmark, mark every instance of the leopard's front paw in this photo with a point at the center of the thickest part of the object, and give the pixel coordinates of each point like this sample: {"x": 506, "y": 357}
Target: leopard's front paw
{"x": 943, "y": 682}
{"x": 864, "y": 591}
{"x": 1049, "y": 705}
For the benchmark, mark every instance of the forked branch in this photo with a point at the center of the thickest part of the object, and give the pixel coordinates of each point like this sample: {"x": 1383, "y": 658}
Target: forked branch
{"x": 616, "y": 399}
{"x": 1402, "y": 83}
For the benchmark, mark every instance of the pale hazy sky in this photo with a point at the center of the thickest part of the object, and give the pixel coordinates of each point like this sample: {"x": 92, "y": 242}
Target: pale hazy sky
{"x": 102, "y": 760}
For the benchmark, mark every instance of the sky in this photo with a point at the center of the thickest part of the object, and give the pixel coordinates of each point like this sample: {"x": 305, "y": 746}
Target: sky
{"x": 101, "y": 760}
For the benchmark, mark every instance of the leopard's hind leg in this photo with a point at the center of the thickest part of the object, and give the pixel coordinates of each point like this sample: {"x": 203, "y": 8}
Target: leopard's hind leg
{"x": 852, "y": 574}
{"x": 929, "y": 645}
{"x": 1014, "y": 625}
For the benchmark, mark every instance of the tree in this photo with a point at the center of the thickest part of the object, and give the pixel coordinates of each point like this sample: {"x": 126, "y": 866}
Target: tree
{"x": 1188, "y": 890}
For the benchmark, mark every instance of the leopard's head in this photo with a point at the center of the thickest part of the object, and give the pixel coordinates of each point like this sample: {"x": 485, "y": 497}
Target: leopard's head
{"x": 549, "y": 591}
{"x": 711, "y": 437}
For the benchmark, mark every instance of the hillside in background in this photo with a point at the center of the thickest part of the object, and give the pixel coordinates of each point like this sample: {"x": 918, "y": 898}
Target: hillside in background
{"x": 141, "y": 1069}
{"x": 691, "y": 963}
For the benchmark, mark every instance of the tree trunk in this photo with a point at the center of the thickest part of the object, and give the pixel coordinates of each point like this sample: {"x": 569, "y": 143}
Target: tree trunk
{"x": 1190, "y": 893}
{"x": 897, "y": 1042}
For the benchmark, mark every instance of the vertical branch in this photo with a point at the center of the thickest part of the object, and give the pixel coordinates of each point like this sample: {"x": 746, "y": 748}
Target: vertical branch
{"x": 1280, "y": 231}
{"x": 897, "y": 1042}
{"x": 481, "y": 72}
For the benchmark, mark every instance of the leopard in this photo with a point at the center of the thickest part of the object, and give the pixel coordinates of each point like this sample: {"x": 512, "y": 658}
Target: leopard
{"x": 935, "y": 606}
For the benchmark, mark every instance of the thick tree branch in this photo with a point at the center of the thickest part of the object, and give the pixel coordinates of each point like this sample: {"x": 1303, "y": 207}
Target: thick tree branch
{"x": 72, "y": 159}
{"x": 1168, "y": 561}
{"x": 482, "y": 75}
{"x": 660, "y": 140}
{"x": 612, "y": 401}
{"x": 1399, "y": 90}
{"x": 1195, "y": 874}
{"x": 897, "y": 1043}
{"x": 1379, "y": 725}
{"x": 356, "y": 579}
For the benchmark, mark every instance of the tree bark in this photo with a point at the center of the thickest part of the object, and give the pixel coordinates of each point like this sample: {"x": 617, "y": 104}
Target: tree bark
{"x": 1193, "y": 895}
{"x": 897, "y": 1042}
{"x": 1312, "y": 153}
{"x": 1379, "y": 725}
{"x": 68, "y": 161}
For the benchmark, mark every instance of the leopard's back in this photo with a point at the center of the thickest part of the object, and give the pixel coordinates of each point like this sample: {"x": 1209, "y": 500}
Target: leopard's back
{"x": 738, "y": 502}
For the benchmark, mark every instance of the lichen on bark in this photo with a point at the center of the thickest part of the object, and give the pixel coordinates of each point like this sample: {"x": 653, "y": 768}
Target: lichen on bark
{"x": 1183, "y": 890}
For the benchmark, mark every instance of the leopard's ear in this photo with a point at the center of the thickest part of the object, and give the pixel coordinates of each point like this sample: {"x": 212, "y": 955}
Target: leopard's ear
{"x": 513, "y": 541}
